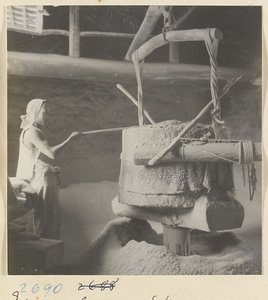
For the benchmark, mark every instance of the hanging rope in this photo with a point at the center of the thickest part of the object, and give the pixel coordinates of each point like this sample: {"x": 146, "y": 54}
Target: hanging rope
{"x": 212, "y": 48}
{"x": 169, "y": 20}
{"x": 138, "y": 65}
{"x": 252, "y": 179}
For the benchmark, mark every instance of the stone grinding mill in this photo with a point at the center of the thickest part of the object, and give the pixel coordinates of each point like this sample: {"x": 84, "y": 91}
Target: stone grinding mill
{"x": 180, "y": 173}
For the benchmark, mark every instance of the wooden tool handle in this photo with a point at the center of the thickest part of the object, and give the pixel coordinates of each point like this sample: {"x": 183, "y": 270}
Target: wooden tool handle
{"x": 104, "y": 130}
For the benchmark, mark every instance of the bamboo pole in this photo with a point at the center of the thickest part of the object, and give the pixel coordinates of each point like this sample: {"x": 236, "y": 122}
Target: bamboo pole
{"x": 175, "y": 142}
{"x": 122, "y": 89}
{"x": 74, "y": 37}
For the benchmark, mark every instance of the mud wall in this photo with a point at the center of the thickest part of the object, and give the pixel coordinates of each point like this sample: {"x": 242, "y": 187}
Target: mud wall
{"x": 84, "y": 106}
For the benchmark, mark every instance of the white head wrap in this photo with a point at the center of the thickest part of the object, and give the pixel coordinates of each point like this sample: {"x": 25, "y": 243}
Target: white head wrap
{"x": 32, "y": 111}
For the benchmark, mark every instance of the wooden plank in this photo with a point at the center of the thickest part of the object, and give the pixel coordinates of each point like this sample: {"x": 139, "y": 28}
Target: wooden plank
{"x": 74, "y": 38}
{"x": 59, "y": 66}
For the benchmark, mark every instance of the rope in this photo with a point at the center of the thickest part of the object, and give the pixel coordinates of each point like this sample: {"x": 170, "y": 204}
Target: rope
{"x": 252, "y": 179}
{"x": 213, "y": 154}
{"x": 138, "y": 65}
{"x": 169, "y": 20}
{"x": 212, "y": 48}
{"x": 245, "y": 153}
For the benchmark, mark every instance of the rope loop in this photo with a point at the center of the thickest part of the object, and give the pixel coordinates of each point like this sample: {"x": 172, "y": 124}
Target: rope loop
{"x": 164, "y": 31}
{"x": 212, "y": 48}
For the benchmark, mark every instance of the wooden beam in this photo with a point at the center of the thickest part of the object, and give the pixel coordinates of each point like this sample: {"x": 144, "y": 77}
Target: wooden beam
{"x": 152, "y": 16}
{"x": 59, "y": 66}
{"x": 193, "y": 35}
{"x": 206, "y": 215}
{"x": 200, "y": 152}
{"x": 55, "y": 32}
{"x": 107, "y": 34}
{"x": 74, "y": 37}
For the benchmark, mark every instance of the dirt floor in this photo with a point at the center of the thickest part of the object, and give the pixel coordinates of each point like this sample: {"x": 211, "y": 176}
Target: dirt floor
{"x": 87, "y": 237}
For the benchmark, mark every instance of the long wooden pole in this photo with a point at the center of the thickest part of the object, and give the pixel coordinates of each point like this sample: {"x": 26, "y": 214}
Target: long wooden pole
{"x": 104, "y": 130}
{"x": 122, "y": 89}
{"x": 175, "y": 142}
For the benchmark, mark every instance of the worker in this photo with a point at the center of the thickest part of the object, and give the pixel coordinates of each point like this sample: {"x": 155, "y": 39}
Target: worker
{"x": 35, "y": 166}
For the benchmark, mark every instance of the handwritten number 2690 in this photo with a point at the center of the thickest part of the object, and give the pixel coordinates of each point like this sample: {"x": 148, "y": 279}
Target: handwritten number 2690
{"x": 36, "y": 288}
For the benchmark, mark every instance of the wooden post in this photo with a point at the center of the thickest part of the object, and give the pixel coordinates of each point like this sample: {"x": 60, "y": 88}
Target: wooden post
{"x": 174, "y": 53}
{"x": 74, "y": 39}
{"x": 177, "y": 240}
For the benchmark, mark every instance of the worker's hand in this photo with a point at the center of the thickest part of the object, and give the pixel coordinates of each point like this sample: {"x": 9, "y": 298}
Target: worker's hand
{"x": 75, "y": 135}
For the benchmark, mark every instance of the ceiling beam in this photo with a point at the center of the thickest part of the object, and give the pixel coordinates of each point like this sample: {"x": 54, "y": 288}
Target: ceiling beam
{"x": 59, "y": 66}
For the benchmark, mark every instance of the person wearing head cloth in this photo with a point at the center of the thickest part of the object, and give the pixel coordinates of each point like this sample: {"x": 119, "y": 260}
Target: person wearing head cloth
{"x": 35, "y": 166}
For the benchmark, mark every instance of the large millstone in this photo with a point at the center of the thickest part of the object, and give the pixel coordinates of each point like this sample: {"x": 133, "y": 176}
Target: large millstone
{"x": 177, "y": 184}
{"x": 181, "y": 195}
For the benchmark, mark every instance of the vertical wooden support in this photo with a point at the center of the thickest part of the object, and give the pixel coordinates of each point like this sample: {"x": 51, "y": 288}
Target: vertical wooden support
{"x": 74, "y": 38}
{"x": 173, "y": 47}
{"x": 173, "y": 53}
{"x": 177, "y": 240}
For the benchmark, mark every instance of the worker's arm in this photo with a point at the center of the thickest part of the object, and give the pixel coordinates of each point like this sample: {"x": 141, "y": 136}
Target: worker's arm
{"x": 35, "y": 137}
